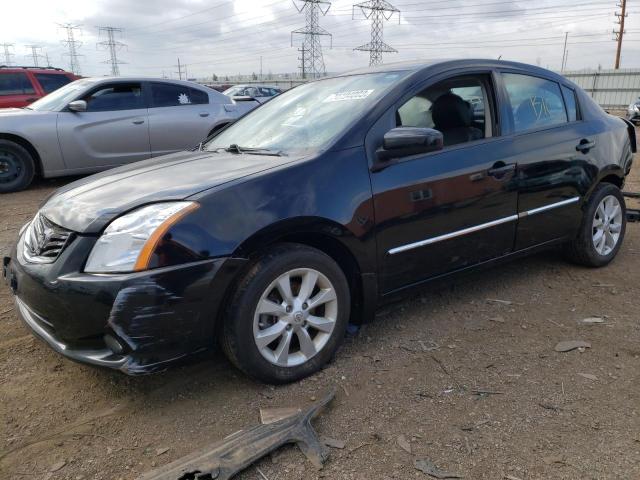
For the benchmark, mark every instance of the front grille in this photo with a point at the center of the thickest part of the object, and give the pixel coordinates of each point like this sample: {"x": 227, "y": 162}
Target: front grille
{"x": 44, "y": 241}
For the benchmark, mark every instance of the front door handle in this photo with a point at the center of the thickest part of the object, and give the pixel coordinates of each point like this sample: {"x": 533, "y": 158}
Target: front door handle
{"x": 585, "y": 145}
{"x": 204, "y": 114}
{"x": 500, "y": 169}
{"x": 138, "y": 121}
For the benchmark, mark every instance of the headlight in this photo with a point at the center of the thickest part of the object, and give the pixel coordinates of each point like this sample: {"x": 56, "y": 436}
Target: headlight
{"x": 129, "y": 241}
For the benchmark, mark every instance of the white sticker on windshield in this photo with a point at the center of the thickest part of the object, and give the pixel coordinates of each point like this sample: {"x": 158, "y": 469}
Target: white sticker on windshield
{"x": 352, "y": 95}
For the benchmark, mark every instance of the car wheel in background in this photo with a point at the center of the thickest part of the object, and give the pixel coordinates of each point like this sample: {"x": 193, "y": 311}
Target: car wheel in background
{"x": 288, "y": 315}
{"x": 603, "y": 228}
{"x": 17, "y": 167}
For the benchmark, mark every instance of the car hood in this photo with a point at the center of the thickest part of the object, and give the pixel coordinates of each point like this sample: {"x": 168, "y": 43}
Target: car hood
{"x": 88, "y": 205}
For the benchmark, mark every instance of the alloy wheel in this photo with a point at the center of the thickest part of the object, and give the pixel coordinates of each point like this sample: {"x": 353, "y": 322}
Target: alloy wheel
{"x": 295, "y": 317}
{"x": 607, "y": 225}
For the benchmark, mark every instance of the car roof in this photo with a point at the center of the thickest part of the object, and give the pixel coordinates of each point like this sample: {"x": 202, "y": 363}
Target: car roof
{"x": 21, "y": 68}
{"x": 447, "y": 64}
{"x": 143, "y": 79}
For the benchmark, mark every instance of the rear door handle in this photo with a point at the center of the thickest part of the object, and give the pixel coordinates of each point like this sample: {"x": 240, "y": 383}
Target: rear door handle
{"x": 500, "y": 169}
{"x": 204, "y": 114}
{"x": 138, "y": 121}
{"x": 585, "y": 145}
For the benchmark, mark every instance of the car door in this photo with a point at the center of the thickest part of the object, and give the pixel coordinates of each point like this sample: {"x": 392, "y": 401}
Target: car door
{"x": 449, "y": 209}
{"x": 112, "y": 131}
{"x": 552, "y": 147}
{"x": 16, "y": 90}
{"x": 180, "y": 117}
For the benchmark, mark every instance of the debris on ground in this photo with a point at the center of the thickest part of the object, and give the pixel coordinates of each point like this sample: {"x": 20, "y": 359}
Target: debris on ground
{"x": 333, "y": 442}
{"x": 223, "y": 459}
{"x": 272, "y": 415}
{"x": 568, "y": 345}
{"x": 161, "y": 451}
{"x": 428, "y": 467}
{"x": 404, "y": 444}
{"x": 588, "y": 376}
{"x": 57, "y": 466}
{"x": 500, "y": 302}
{"x": 483, "y": 392}
{"x": 591, "y": 320}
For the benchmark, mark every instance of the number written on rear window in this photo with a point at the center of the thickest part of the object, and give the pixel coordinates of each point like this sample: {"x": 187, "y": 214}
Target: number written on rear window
{"x": 15, "y": 84}
{"x": 51, "y": 81}
{"x": 535, "y": 102}
{"x": 167, "y": 95}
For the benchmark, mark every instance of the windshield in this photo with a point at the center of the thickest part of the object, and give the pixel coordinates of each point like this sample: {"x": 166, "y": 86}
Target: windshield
{"x": 233, "y": 91}
{"x": 307, "y": 117}
{"x": 60, "y": 98}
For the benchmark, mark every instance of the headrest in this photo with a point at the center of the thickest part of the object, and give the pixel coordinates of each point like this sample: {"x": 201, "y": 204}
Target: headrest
{"x": 450, "y": 111}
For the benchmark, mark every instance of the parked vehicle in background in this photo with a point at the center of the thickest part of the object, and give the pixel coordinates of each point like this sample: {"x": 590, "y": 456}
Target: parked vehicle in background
{"x": 314, "y": 209}
{"x": 97, "y": 123}
{"x": 633, "y": 112}
{"x": 20, "y": 86}
{"x": 261, "y": 93}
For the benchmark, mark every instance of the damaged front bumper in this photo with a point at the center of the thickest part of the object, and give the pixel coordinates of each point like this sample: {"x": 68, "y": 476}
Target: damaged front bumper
{"x": 137, "y": 323}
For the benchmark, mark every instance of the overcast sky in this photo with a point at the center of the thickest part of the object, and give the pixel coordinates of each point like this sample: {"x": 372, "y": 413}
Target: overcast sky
{"x": 229, "y": 36}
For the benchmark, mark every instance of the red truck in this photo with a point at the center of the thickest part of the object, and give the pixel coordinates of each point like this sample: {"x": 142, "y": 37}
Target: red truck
{"x": 20, "y": 86}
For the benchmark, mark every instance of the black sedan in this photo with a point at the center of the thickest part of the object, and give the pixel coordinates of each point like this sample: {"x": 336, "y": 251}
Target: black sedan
{"x": 316, "y": 208}
{"x": 633, "y": 112}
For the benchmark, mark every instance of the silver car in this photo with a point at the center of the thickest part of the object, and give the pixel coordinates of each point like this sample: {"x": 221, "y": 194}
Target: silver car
{"x": 94, "y": 124}
{"x": 259, "y": 93}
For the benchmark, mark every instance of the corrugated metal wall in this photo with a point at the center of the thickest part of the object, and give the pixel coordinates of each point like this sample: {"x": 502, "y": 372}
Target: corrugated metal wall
{"x": 610, "y": 88}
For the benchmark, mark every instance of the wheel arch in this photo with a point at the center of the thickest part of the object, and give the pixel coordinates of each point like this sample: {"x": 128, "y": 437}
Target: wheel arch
{"x": 330, "y": 238}
{"x": 28, "y": 146}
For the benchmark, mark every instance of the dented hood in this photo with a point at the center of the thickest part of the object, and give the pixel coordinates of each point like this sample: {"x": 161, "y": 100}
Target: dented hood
{"x": 89, "y": 204}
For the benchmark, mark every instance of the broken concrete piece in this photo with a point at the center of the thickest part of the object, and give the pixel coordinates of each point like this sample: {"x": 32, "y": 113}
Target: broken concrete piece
{"x": 161, "y": 451}
{"x": 272, "y": 415}
{"x": 428, "y": 467}
{"x": 223, "y": 459}
{"x": 569, "y": 345}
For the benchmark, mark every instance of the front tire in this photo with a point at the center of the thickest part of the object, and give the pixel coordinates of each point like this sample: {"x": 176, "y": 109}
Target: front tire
{"x": 288, "y": 315}
{"x": 17, "y": 167}
{"x": 602, "y": 230}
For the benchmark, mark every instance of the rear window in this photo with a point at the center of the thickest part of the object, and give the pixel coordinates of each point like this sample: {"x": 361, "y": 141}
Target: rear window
{"x": 535, "y": 102}
{"x": 15, "y": 84}
{"x": 168, "y": 95}
{"x": 52, "y": 81}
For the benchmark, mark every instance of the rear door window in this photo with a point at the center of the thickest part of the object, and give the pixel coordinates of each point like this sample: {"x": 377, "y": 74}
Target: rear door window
{"x": 119, "y": 96}
{"x": 168, "y": 95}
{"x": 51, "y": 81}
{"x": 535, "y": 102}
{"x": 15, "y": 84}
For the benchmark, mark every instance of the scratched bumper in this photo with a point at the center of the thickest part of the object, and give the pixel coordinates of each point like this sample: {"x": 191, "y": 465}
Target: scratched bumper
{"x": 137, "y": 323}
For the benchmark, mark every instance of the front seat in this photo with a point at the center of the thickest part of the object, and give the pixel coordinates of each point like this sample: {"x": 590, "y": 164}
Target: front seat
{"x": 453, "y": 116}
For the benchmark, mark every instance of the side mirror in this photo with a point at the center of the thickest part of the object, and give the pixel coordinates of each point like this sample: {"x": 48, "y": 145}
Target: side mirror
{"x": 77, "y": 106}
{"x": 405, "y": 141}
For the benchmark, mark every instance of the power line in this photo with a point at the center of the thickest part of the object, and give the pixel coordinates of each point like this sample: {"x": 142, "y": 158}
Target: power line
{"x": 620, "y": 33}
{"x": 312, "y": 60}
{"x": 113, "y": 46}
{"x": 378, "y": 11}
{"x": 72, "y": 45}
{"x": 34, "y": 54}
{"x": 7, "y": 53}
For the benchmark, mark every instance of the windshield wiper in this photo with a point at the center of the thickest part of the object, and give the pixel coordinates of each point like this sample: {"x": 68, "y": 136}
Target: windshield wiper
{"x": 235, "y": 148}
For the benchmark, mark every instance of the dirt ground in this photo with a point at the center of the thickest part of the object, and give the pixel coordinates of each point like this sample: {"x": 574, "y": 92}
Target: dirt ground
{"x": 413, "y": 372}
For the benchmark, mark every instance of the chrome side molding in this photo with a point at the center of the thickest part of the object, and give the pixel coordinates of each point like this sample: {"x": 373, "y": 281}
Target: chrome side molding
{"x": 482, "y": 226}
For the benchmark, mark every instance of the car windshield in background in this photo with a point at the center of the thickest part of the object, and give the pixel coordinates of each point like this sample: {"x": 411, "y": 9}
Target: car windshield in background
{"x": 308, "y": 117}
{"x": 60, "y": 98}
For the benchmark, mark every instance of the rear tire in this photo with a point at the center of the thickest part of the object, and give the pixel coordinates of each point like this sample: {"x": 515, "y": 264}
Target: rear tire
{"x": 279, "y": 334}
{"x": 17, "y": 167}
{"x": 602, "y": 230}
